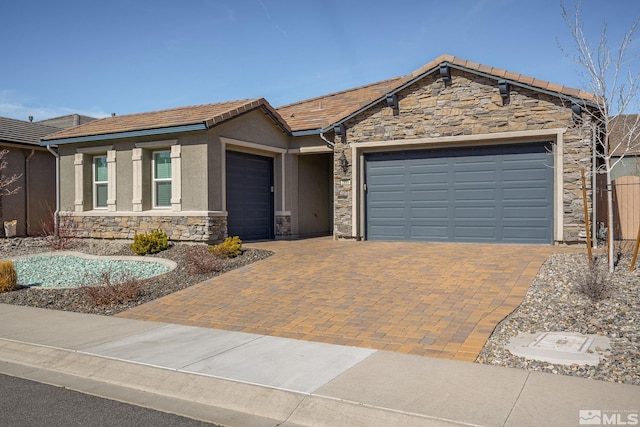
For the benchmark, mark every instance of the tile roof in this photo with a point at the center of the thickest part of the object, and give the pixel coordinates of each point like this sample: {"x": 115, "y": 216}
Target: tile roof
{"x": 21, "y": 132}
{"x": 323, "y": 111}
{"x": 210, "y": 115}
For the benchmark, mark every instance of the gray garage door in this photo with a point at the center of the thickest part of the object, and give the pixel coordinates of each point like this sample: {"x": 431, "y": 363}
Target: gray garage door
{"x": 479, "y": 194}
{"x": 249, "y": 196}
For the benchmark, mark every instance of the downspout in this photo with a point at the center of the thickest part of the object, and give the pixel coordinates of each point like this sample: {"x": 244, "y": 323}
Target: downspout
{"x": 330, "y": 144}
{"x": 594, "y": 183}
{"x": 27, "y": 190}
{"x": 56, "y": 225}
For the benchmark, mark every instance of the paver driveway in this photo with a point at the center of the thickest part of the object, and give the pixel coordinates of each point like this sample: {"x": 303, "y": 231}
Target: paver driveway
{"x": 433, "y": 299}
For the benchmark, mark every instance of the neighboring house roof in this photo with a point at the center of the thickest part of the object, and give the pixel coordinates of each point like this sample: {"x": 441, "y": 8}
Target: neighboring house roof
{"x": 21, "y": 132}
{"x": 625, "y": 130}
{"x": 322, "y": 112}
{"x": 198, "y": 117}
{"x": 65, "y": 122}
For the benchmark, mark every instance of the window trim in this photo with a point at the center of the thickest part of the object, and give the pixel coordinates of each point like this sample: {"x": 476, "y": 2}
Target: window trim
{"x": 95, "y": 183}
{"x": 154, "y": 180}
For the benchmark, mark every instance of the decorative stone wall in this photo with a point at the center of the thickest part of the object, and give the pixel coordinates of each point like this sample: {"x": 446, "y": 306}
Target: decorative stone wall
{"x": 209, "y": 229}
{"x": 283, "y": 226}
{"x": 468, "y": 105}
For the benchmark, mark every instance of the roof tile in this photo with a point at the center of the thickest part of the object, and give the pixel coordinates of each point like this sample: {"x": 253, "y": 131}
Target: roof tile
{"x": 323, "y": 111}
{"x": 209, "y": 114}
{"x": 21, "y": 132}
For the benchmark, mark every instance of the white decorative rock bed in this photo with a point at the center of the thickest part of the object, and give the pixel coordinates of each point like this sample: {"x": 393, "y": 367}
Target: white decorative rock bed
{"x": 71, "y": 269}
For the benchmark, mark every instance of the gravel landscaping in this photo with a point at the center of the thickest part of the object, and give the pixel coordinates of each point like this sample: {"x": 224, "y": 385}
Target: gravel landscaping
{"x": 70, "y": 269}
{"x": 71, "y": 299}
{"x": 553, "y": 303}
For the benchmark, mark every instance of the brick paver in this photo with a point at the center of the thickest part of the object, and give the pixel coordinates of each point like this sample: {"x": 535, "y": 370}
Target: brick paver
{"x": 433, "y": 299}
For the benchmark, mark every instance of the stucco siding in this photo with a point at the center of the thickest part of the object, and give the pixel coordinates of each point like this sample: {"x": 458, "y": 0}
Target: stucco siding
{"x": 314, "y": 194}
{"x": 194, "y": 172}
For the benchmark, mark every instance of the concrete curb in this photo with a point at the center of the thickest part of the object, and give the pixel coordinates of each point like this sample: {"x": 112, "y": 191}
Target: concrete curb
{"x": 201, "y": 397}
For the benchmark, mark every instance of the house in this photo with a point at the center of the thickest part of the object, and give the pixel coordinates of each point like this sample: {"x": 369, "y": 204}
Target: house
{"x": 33, "y": 205}
{"x": 624, "y": 142}
{"x": 200, "y": 173}
{"x": 455, "y": 151}
{"x": 624, "y": 146}
{"x": 67, "y": 121}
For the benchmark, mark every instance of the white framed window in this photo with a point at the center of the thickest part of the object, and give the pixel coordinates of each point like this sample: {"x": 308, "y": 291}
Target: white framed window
{"x": 161, "y": 187}
{"x": 100, "y": 182}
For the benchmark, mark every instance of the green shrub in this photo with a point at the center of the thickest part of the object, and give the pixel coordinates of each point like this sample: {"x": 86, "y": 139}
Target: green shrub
{"x": 8, "y": 276}
{"x": 230, "y": 248}
{"x": 150, "y": 243}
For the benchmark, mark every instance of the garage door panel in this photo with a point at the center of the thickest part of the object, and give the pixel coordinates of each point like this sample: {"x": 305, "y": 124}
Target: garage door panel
{"x": 475, "y": 176}
{"x": 249, "y": 197}
{"x": 433, "y": 213}
{"x": 515, "y": 233}
{"x": 479, "y": 194}
{"x": 524, "y": 175}
{"x": 524, "y": 213}
{"x": 431, "y": 232}
{"x": 429, "y": 195}
{"x": 386, "y": 213}
{"x": 475, "y": 232}
{"x": 475, "y": 194}
{"x": 517, "y": 195}
{"x": 475, "y": 212}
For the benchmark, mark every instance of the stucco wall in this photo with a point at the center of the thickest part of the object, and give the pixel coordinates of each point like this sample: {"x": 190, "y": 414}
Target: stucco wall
{"x": 41, "y": 192}
{"x": 314, "y": 194}
{"x": 32, "y": 205}
{"x": 202, "y": 180}
{"x": 469, "y": 105}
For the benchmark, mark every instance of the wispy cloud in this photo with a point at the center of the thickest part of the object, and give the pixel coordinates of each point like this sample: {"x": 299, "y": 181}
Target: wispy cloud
{"x": 266, "y": 11}
{"x": 13, "y": 107}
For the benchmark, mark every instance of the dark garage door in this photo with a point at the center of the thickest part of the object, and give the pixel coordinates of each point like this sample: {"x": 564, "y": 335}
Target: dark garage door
{"x": 471, "y": 194}
{"x": 249, "y": 196}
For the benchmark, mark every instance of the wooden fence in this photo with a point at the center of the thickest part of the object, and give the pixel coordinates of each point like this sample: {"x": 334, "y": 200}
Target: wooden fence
{"x": 626, "y": 205}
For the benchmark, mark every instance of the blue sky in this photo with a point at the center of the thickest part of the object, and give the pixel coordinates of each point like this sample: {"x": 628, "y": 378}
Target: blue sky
{"x": 128, "y": 56}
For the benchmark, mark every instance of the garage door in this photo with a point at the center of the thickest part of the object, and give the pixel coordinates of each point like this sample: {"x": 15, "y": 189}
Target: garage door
{"x": 249, "y": 196}
{"x": 479, "y": 194}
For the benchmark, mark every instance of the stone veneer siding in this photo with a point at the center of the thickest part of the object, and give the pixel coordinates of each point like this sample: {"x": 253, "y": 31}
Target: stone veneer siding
{"x": 469, "y": 105}
{"x": 283, "y": 226}
{"x": 178, "y": 228}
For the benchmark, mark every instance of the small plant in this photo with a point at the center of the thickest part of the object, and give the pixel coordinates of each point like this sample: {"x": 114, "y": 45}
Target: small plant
{"x": 231, "y": 247}
{"x": 64, "y": 239}
{"x": 150, "y": 243}
{"x": 200, "y": 261}
{"x": 105, "y": 289}
{"x": 594, "y": 281}
{"x": 8, "y": 276}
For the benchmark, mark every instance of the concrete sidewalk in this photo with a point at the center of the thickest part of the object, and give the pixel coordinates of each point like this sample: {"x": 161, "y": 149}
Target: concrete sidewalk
{"x": 240, "y": 379}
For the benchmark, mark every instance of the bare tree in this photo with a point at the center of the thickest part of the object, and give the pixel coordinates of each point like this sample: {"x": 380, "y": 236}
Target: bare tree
{"x": 610, "y": 77}
{"x": 7, "y": 182}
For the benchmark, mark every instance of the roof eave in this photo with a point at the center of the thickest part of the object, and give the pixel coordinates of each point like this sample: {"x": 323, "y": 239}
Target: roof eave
{"x": 126, "y": 134}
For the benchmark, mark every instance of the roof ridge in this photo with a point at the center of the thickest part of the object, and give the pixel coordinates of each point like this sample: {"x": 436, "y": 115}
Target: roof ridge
{"x": 340, "y": 92}
{"x": 183, "y": 107}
